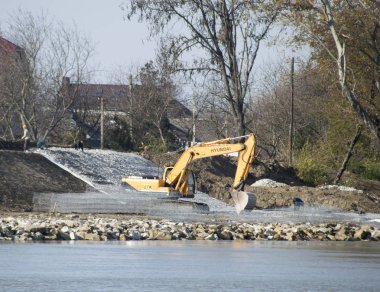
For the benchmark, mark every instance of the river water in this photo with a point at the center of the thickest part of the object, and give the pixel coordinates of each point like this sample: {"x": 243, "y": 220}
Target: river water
{"x": 190, "y": 266}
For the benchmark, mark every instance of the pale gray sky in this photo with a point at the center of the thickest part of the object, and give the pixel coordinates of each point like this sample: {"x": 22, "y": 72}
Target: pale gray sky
{"x": 117, "y": 42}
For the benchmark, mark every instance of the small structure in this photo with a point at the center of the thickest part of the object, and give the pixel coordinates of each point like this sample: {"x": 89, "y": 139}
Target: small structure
{"x": 297, "y": 202}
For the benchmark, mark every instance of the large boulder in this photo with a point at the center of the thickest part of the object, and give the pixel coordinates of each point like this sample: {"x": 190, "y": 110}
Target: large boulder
{"x": 163, "y": 235}
{"x": 225, "y": 234}
{"x": 342, "y": 234}
{"x": 364, "y": 233}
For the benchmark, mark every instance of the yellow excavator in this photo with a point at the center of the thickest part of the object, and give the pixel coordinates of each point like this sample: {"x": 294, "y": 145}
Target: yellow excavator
{"x": 179, "y": 181}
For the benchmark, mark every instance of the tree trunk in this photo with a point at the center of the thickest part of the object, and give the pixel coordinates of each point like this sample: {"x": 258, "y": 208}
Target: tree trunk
{"x": 240, "y": 124}
{"x": 162, "y": 138}
{"x": 367, "y": 119}
{"x": 161, "y": 133}
{"x": 291, "y": 126}
{"x": 348, "y": 155}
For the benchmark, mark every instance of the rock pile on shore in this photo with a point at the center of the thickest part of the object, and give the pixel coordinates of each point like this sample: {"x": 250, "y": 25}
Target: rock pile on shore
{"x": 73, "y": 227}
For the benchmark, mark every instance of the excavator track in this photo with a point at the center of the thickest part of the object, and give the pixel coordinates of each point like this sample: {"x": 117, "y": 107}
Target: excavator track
{"x": 201, "y": 207}
{"x": 182, "y": 206}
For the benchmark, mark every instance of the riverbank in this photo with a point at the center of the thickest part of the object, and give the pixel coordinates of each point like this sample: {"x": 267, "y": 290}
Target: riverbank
{"x": 57, "y": 170}
{"x": 50, "y": 227}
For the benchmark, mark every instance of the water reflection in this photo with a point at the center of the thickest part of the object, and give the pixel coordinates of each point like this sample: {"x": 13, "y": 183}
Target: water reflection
{"x": 190, "y": 266}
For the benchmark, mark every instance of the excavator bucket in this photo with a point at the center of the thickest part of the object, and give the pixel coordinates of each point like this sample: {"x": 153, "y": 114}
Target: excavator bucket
{"x": 243, "y": 200}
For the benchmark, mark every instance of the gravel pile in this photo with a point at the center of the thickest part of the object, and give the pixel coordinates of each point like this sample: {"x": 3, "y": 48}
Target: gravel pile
{"x": 266, "y": 182}
{"x": 340, "y": 188}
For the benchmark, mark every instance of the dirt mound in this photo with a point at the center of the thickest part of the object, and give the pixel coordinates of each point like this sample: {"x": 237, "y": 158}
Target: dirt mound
{"x": 268, "y": 197}
{"x": 22, "y": 174}
{"x": 215, "y": 176}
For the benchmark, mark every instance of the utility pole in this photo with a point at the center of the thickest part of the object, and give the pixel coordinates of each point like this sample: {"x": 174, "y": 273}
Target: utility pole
{"x": 194, "y": 116}
{"x": 101, "y": 121}
{"x": 130, "y": 107}
{"x": 291, "y": 127}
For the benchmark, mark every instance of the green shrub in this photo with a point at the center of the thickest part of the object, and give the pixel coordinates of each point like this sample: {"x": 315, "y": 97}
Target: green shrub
{"x": 157, "y": 147}
{"x": 71, "y": 137}
{"x": 372, "y": 170}
{"x": 369, "y": 169}
{"x": 311, "y": 172}
{"x": 309, "y": 169}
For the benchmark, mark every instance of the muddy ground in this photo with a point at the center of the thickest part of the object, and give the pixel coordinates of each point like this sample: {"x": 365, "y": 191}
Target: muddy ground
{"x": 22, "y": 174}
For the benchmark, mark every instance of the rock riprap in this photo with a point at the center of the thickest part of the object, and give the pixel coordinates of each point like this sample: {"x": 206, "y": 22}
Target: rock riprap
{"x": 74, "y": 227}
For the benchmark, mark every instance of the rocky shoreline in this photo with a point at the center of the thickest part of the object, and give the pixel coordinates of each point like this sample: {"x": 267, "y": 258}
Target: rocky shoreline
{"x": 99, "y": 228}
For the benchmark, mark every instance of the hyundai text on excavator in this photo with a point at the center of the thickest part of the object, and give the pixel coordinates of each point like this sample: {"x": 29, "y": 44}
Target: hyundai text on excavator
{"x": 179, "y": 181}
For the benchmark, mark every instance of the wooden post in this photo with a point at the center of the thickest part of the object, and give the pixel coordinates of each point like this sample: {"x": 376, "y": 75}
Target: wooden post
{"x": 291, "y": 127}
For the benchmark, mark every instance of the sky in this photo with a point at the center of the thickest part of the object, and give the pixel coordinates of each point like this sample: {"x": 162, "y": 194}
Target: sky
{"x": 117, "y": 42}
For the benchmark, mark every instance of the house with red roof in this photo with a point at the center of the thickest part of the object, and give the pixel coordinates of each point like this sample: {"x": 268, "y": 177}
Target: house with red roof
{"x": 12, "y": 58}
{"x": 117, "y": 100}
{"x": 10, "y": 51}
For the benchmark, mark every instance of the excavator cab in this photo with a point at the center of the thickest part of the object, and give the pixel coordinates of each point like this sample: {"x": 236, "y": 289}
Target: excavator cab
{"x": 191, "y": 184}
{"x": 186, "y": 183}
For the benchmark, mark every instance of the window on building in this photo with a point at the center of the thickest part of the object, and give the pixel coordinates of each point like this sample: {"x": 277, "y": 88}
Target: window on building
{"x": 98, "y": 92}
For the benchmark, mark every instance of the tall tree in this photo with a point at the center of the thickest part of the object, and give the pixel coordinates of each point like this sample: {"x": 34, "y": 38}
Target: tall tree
{"x": 148, "y": 98}
{"x": 348, "y": 32}
{"x": 153, "y": 98}
{"x": 225, "y": 35}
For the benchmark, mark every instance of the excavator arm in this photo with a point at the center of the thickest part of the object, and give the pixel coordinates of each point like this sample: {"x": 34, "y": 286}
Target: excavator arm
{"x": 245, "y": 160}
{"x": 178, "y": 175}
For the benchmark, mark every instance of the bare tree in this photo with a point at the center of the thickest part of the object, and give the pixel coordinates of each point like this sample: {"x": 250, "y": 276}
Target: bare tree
{"x": 52, "y": 52}
{"x": 225, "y": 34}
{"x": 269, "y": 112}
{"x": 155, "y": 94}
{"x": 147, "y": 98}
{"x": 210, "y": 113}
